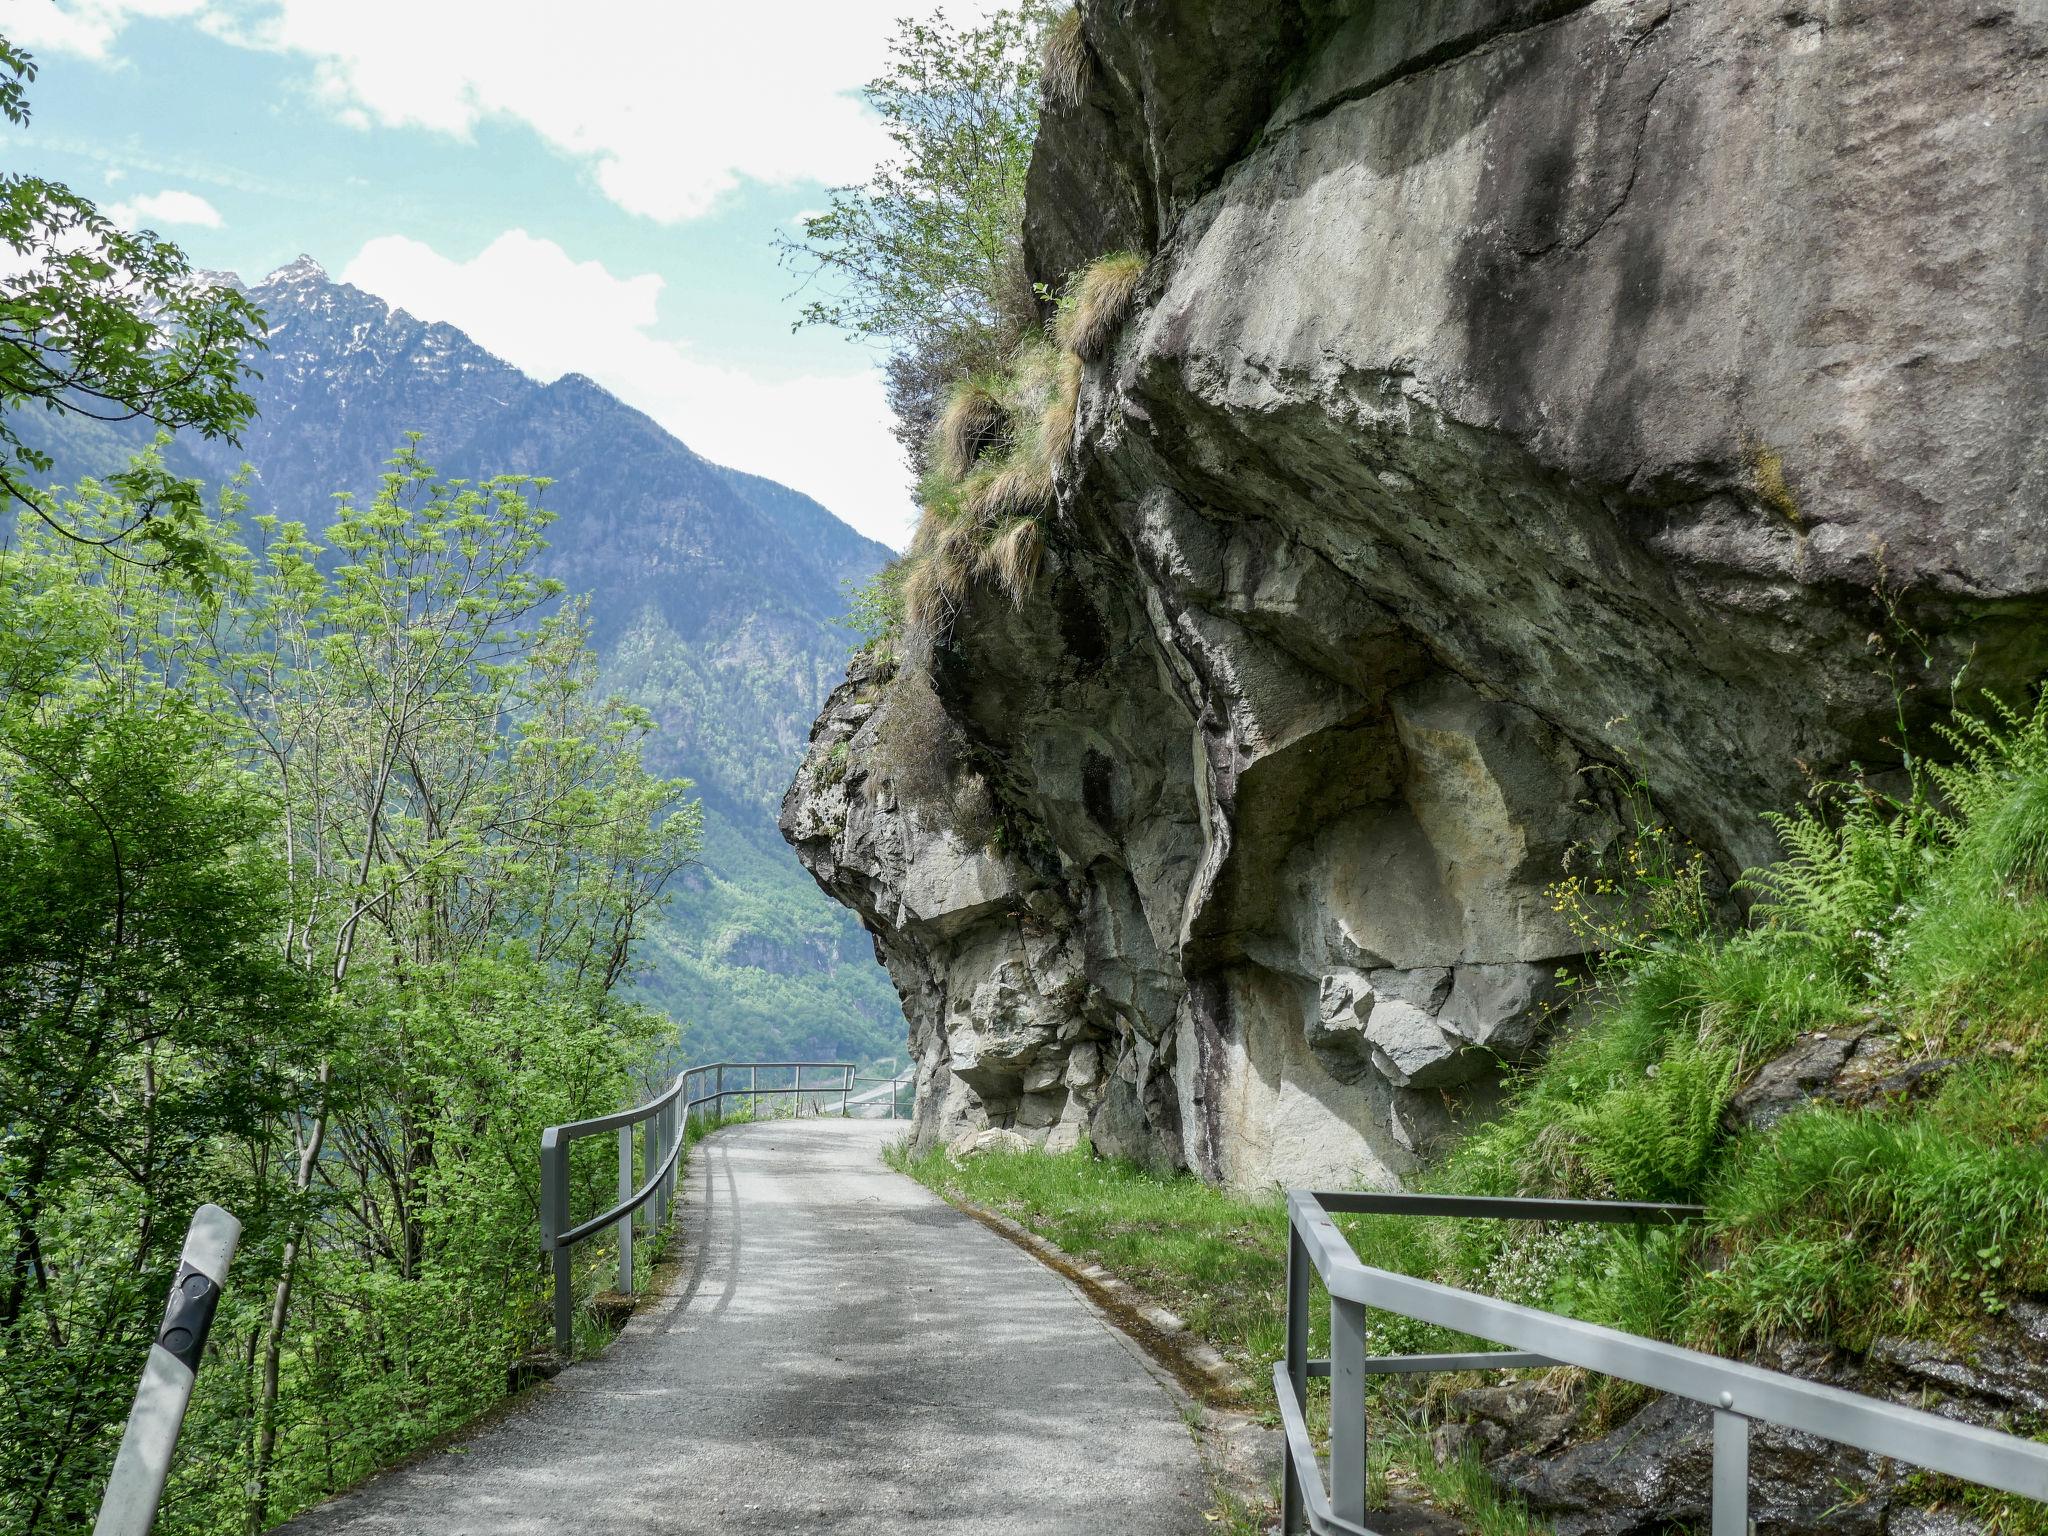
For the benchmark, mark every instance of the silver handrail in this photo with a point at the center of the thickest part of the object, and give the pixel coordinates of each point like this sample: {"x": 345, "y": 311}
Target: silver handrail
{"x": 1739, "y": 1394}
{"x": 667, "y": 1118}
{"x": 136, "y": 1485}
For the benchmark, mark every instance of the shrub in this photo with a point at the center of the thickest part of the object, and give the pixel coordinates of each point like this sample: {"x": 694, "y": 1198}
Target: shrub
{"x": 916, "y": 743}
{"x": 1096, "y": 302}
{"x": 874, "y": 608}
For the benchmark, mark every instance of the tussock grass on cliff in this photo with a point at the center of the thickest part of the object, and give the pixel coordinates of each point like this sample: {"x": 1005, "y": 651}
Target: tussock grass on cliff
{"x": 990, "y": 494}
{"x": 1096, "y": 302}
{"x": 1063, "y": 65}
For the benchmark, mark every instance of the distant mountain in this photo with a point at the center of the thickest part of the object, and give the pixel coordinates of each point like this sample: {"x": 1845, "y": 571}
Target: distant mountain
{"x": 717, "y": 599}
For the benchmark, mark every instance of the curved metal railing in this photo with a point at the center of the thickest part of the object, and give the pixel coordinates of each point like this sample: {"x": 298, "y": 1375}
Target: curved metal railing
{"x": 1737, "y": 1394}
{"x": 697, "y": 1092}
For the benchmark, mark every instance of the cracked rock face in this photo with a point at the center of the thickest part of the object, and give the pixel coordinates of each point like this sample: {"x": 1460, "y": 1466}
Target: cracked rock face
{"x": 1530, "y": 405}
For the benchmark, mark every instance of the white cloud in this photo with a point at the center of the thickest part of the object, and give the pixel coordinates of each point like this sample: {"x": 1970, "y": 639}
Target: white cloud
{"x": 826, "y": 435}
{"x": 671, "y": 103}
{"x": 153, "y": 209}
{"x": 87, "y": 27}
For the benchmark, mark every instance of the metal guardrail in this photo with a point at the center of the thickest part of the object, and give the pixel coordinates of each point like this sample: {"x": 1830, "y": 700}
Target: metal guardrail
{"x": 1738, "y": 1394}
{"x": 136, "y": 1486}
{"x": 666, "y": 1118}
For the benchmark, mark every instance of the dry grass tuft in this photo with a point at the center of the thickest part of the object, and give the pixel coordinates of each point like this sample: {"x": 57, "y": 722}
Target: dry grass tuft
{"x": 1063, "y": 67}
{"x": 990, "y": 488}
{"x": 1056, "y": 421}
{"x": 916, "y": 744}
{"x": 935, "y": 584}
{"x": 974, "y": 811}
{"x": 973, "y": 423}
{"x": 1096, "y": 302}
{"x": 1014, "y": 558}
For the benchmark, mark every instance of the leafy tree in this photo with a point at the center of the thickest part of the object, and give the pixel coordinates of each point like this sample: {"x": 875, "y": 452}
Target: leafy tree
{"x": 454, "y": 795}
{"x": 99, "y": 322}
{"x": 144, "y": 1013}
{"x": 927, "y": 257}
{"x": 317, "y": 883}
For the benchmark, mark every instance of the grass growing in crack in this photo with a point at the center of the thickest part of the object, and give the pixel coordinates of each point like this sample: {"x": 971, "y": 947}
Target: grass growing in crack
{"x": 1459, "y": 1484}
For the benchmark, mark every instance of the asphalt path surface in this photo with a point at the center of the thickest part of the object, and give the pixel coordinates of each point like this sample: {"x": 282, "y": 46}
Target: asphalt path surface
{"x": 840, "y": 1350}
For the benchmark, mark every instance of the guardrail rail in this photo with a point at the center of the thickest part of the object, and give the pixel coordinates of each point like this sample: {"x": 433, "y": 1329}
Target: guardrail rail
{"x": 1739, "y": 1395}
{"x": 666, "y": 1118}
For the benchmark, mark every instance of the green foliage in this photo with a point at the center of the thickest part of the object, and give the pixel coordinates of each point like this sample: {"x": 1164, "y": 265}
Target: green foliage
{"x": 874, "y": 608}
{"x": 319, "y": 886}
{"x": 1650, "y": 1139}
{"x": 1843, "y": 1223}
{"x": 1919, "y": 916}
{"x": 931, "y": 242}
{"x": 927, "y": 257}
{"x": 109, "y": 325}
{"x": 1843, "y": 880}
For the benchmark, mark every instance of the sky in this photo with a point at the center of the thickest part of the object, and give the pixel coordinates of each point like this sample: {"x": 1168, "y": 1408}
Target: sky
{"x": 590, "y": 188}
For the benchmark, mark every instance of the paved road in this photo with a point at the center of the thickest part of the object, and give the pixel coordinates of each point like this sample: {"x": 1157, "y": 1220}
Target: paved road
{"x": 841, "y": 1351}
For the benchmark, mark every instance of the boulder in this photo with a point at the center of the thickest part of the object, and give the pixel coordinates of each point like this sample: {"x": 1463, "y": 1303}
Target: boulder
{"x": 1505, "y": 1008}
{"x": 1532, "y": 418}
{"x": 1412, "y": 1051}
{"x": 973, "y": 1143}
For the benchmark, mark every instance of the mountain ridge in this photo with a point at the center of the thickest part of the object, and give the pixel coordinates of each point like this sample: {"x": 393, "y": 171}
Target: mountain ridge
{"x": 716, "y": 600}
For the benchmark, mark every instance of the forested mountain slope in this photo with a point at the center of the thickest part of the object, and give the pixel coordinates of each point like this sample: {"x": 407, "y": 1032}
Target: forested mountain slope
{"x": 717, "y": 596}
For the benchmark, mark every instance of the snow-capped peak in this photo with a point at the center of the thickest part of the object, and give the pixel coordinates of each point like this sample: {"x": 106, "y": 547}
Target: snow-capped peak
{"x": 305, "y": 269}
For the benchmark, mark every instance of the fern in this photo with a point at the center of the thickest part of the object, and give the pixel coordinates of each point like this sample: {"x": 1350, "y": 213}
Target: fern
{"x": 1651, "y": 1139}
{"x": 1997, "y": 791}
{"x": 1840, "y": 885}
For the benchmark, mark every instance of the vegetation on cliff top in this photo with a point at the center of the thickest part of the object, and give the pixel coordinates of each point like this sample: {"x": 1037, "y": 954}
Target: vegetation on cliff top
{"x": 928, "y": 259}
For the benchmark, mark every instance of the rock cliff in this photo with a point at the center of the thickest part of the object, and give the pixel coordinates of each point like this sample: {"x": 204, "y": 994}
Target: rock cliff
{"x": 1537, "y": 414}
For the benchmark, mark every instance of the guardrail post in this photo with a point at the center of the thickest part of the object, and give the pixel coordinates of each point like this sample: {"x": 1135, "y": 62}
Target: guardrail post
{"x": 671, "y": 1134}
{"x": 142, "y": 1463}
{"x": 845, "y": 1090}
{"x": 1347, "y": 1410}
{"x": 718, "y": 1103}
{"x": 657, "y": 1149}
{"x": 1291, "y": 1515}
{"x": 554, "y": 1219}
{"x": 626, "y": 1221}
{"x": 1731, "y": 1473}
{"x": 753, "y": 1095}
